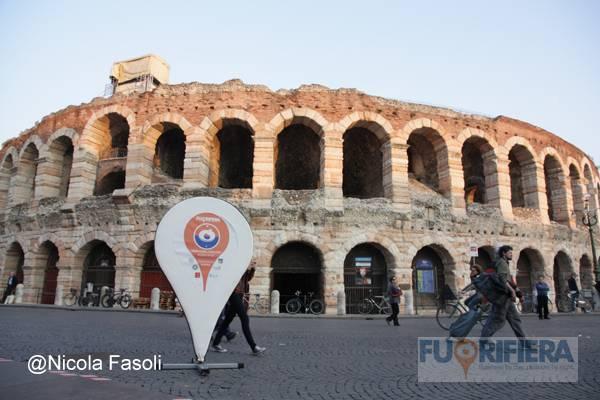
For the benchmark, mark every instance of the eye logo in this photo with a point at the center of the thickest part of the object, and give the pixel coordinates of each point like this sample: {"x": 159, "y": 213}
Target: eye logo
{"x": 206, "y": 236}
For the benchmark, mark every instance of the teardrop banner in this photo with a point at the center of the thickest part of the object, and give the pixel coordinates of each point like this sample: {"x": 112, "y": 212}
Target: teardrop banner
{"x": 203, "y": 246}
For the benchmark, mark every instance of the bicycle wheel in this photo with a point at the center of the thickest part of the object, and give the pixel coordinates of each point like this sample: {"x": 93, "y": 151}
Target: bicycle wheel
{"x": 107, "y": 301}
{"x": 446, "y": 315}
{"x": 262, "y": 306}
{"x": 365, "y": 307}
{"x": 125, "y": 301}
{"x": 85, "y": 301}
{"x": 316, "y": 307}
{"x": 293, "y": 306}
{"x": 70, "y": 299}
{"x": 586, "y": 307}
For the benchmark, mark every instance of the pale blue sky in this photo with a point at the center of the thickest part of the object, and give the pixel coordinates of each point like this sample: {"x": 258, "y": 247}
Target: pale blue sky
{"x": 538, "y": 61}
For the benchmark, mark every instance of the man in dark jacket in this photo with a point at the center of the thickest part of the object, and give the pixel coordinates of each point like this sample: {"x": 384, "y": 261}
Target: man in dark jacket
{"x": 505, "y": 311}
{"x": 10, "y": 286}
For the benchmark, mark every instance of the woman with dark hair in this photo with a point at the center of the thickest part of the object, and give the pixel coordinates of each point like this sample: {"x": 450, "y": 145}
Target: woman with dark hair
{"x": 474, "y": 300}
{"x": 394, "y": 293}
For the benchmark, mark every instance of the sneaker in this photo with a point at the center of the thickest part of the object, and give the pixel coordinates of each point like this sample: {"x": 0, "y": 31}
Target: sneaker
{"x": 547, "y": 318}
{"x": 231, "y": 336}
{"x": 258, "y": 350}
{"x": 218, "y": 348}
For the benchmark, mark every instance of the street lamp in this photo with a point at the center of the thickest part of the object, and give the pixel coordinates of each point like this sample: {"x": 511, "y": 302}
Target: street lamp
{"x": 590, "y": 219}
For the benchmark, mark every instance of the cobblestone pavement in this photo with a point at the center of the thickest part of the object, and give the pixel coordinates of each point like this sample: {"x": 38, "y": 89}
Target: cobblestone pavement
{"x": 305, "y": 359}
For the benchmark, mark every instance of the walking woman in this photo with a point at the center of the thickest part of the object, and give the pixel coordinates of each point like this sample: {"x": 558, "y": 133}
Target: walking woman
{"x": 394, "y": 293}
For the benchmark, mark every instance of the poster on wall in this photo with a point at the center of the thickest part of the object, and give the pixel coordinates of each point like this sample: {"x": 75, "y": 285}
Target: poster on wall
{"x": 425, "y": 277}
{"x": 363, "y": 266}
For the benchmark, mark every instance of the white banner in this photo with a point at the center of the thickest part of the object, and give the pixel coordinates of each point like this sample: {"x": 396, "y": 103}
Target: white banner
{"x": 203, "y": 246}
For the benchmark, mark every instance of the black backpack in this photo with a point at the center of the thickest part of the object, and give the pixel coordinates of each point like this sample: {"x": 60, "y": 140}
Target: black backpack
{"x": 489, "y": 285}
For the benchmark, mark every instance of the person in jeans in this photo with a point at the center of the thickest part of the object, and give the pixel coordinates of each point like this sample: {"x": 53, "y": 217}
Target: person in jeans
{"x": 394, "y": 293}
{"x": 11, "y": 285}
{"x": 507, "y": 311}
{"x": 574, "y": 291}
{"x": 542, "y": 289}
{"x": 236, "y": 307}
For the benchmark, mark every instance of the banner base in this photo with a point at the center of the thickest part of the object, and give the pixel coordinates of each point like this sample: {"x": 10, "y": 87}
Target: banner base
{"x": 203, "y": 368}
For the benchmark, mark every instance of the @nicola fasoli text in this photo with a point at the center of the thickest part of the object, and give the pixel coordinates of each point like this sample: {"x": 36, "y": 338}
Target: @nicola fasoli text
{"x": 39, "y": 364}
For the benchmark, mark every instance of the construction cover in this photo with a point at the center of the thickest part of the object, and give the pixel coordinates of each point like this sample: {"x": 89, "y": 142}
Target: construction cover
{"x": 150, "y": 64}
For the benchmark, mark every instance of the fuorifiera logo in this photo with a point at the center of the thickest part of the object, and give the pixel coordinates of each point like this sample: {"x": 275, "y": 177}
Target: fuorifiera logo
{"x": 498, "y": 360}
{"x": 206, "y": 236}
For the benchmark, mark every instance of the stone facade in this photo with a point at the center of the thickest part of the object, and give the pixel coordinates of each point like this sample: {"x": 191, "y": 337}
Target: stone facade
{"x": 49, "y": 175}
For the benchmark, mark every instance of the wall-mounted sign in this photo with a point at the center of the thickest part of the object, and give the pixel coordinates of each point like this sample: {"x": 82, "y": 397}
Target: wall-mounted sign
{"x": 364, "y": 270}
{"x": 425, "y": 276}
{"x": 203, "y": 246}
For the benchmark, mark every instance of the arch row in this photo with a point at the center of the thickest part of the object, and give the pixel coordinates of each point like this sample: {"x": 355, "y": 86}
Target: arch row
{"x": 361, "y": 155}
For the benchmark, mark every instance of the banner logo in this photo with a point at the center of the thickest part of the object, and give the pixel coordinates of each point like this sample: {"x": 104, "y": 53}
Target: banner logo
{"x": 206, "y": 236}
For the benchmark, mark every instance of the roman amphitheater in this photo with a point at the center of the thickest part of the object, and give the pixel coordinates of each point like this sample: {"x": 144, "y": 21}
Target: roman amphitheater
{"x": 341, "y": 189}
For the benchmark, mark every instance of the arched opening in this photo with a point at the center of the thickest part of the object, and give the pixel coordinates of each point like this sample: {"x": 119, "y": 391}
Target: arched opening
{"x": 169, "y": 153}
{"x": 433, "y": 269}
{"x": 113, "y": 131}
{"x": 365, "y": 274}
{"x": 110, "y": 182}
{"x": 99, "y": 266}
{"x": 523, "y": 178}
{"x": 297, "y": 266}
{"x": 233, "y": 155}
{"x": 363, "y": 164}
{"x": 485, "y": 257}
{"x": 563, "y": 268}
{"x": 530, "y": 266}
{"x": 28, "y": 163}
{"x": 586, "y": 272}
{"x": 577, "y": 192}
{"x": 152, "y": 275}
{"x": 428, "y": 159}
{"x": 298, "y": 159}
{"x": 555, "y": 190}
{"x": 7, "y": 173}
{"x": 13, "y": 262}
{"x": 478, "y": 161}
{"x": 49, "y": 251}
{"x": 60, "y": 157}
{"x": 589, "y": 186}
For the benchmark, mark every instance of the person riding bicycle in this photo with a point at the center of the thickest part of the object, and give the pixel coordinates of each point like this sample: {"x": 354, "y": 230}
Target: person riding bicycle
{"x": 474, "y": 300}
{"x": 573, "y": 291}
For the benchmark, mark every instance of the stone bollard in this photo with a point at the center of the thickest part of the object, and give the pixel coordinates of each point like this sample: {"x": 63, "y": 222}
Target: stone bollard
{"x": 58, "y": 296}
{"x": 341, "y": 302}
{"x": 275, "y": 302}
{"x": 19, "y": 294}
{"x": 409, "y": 308}
{"x": 155, "y": 299}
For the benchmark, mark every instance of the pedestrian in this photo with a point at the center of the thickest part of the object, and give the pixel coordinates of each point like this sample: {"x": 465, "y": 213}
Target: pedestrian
{"x": 394, "y": 292}
{"x": 505, "y": 310}
{"x": 573, "y": 291}
{"x": 11, "y": 285}
{"x": 236, "y": 307}
{"x": 542, "y": 289}
{"x": 229, "y": 334}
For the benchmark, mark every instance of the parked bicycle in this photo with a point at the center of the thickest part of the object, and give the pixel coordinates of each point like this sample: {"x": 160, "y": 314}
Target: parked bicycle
{"x": 110, "y": 298}
{"x": 304, "y": 304}
{"x": 375, "y": 304}
{"x": 90, "y": 298}
{"x": 526, "y": 304}
{"x": 260, "y": 304}
{"x": 567, "y": 304}
{"x": 71, "y": 298}
{"x": 450, "y": 310}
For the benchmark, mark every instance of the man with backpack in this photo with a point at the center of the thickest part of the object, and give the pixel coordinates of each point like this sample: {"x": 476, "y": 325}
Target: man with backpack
{"x": 503, "y": 309}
